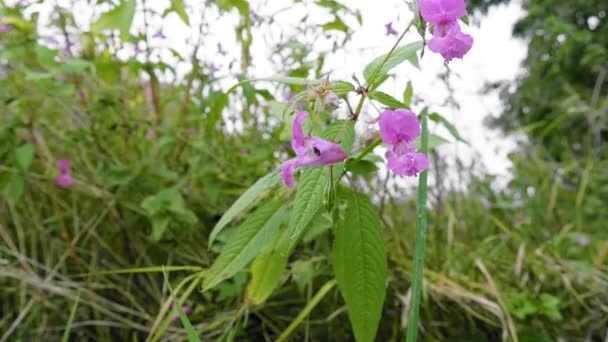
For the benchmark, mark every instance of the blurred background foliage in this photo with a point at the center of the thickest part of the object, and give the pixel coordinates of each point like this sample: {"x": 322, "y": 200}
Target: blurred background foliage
{"x": 159, "y": 156}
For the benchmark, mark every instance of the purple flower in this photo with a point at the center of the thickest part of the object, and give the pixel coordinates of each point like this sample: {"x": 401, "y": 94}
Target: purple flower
{"x": 220, "y": 49}
{"x": 243, "y": 151}
{"x": 310, "y": 151}
{"x": 64, "y": 179}
{"x": 447, "y": 39}
{"x": 398, "y": 129}
{"x": 159, "y": 34}
{"x": 450, "y": 42}
{"x": 138, "y": 48}
{"x": 5, "y": 28}
{"x": 389, "y": 29}
{"x": 289, "y": 96}
{"x": 213, "y": 69}
{"x": 185, "y": 308}
{"x": 150, "y": 134}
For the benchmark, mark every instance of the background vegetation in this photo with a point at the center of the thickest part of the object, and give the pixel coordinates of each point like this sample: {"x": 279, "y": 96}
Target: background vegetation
{"x": 159, "y": 156}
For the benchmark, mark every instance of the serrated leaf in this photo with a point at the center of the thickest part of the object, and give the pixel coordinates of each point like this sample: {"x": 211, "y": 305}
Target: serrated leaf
{"x": 266, "y": 272}
{"x": 178, "y": 7}
{"x": 243, "y": 202}
{"x": 448, "y": 125}
{"x": 359, "y": 262}
{"x": 386, "y": 100}
{"x": 120, "y": 18}
{"x": 400, "y": 55}
{"x": 313, "y": 183}
{"x": 24, "y": 156}
{"x": 434, "y": 141}
{"x": 246, "y": 242}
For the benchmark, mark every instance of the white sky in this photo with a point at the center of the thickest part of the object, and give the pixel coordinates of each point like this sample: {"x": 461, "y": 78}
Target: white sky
{"x": 495, "y": 56}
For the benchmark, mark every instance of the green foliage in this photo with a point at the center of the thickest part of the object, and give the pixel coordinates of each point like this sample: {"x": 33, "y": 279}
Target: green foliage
{"x": 359, "y": 262}
{"x": 120, "y": 18}
{"x": 400, "y": 55}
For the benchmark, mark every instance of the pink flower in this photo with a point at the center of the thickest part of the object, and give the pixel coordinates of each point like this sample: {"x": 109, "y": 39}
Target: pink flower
{"x": 450, "y": 42}
{"x": 399, "y": 129}
{"x": 389, "y": 29}
{"x": 64, "y": 179}
{"x": 447, "y": 39}
{"x": 310, "y": 151}
{"x": 150, "y": 134}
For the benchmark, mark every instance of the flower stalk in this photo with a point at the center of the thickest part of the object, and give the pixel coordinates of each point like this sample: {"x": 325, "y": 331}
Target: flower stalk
{"x": 421, "y": 221}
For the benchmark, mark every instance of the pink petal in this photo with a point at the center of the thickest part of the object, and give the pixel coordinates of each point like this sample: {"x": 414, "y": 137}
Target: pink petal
{"x": 322, "y": 152}
{"x": 398, "y": 125}
{"x": 409, "y": 164}
{"x": 441, "y": 11}
{"x": 64, "y": 180}
{"x": 450, "y": 42}
{"x": 287, "y": 170}
{"x": 298, "y": 136}
{"x": 63, "y": 164}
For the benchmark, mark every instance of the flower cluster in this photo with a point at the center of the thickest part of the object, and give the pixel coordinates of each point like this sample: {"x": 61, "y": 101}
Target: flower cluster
{"x": 447, "y": 39}
{"x": 64, "y": 179}
{"x": 399, "y": 129}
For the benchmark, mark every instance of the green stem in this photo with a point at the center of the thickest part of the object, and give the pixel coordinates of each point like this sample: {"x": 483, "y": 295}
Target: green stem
{"x": 412, "y": 323}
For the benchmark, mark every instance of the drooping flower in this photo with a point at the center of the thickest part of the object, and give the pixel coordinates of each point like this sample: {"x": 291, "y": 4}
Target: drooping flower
{"x": 390, "y": 31}
{"x": 64, "y": 179}
{"x": 310, "y": 151}
{"x": 447, "y": 39}
{"x": 399, "y": 129}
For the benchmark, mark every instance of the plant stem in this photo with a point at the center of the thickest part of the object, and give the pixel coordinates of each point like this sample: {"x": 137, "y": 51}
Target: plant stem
{"x": 412, "y": 324}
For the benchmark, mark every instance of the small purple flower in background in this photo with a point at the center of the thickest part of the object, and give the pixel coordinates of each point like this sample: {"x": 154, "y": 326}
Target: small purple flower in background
{"x": 150, "y": 134}
{"x": 310, "y": 151}
{"x": 5, "y": 28}
{"x": 185, "y": 308}
{"x": 289, "y": 96}
{"x": 220, "y": 49}
{"x": 159, "y": 34}
{"x": 50, "y": 40}
{"x": 399, "y": 129}
{"x": 138, "y": 48}
{"x": 64, "y": 179}
{"x": 243, "y": 151}
{"x": 447, "y": 39}
{"x": 191, "y": 132}
{"x": 213, "y": 69}
{"x": 256, "y": 20}
{"x": 389, "y": 29}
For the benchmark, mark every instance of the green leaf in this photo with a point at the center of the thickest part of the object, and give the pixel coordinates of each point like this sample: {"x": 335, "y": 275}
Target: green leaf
{"x": 407, "y": 94}
{"x": 190, "y": 332}
{"x": 77, "y": 65}
{"x": 359, "y": 261}
{"x": 68, "y": 326}
{"x": 246, "y": 242}
{"x": 336, "y": 25}
{"x": 16, "y": 188}
{"x": 448, "y": 125}
{"x": 159, "y": 226}
{"x": 215, "y": 112}
{"x": 178, "y": 7}
{"x": 120, "y": 18}
{"x": 361, "y": 166}
{"x": 386, "y": 99}
{"x": 243, "y": 202}
{"x": 24, "y": 155}
{"x": 434, "y": 141}
{"x": 401, "y": 54}
{"x": 266, "y": 271}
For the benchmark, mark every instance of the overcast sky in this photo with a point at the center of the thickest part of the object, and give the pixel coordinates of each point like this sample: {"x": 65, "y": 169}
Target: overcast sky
{"x": 495, "y": 56}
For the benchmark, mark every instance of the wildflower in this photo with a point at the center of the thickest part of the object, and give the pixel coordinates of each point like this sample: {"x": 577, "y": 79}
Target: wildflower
{"x": 398, "y": 129}
{"x": 289, "y": 96}
{"x": 5, "y": 28}
{"x": 150, "y": 134}
{"x": 220, "y": 49}
{"x": 389, "y": 29}
{"x": 64, "y": 179}
{"x": 310, "y": 151}
{"x": 159, "y": 34}
{"x": 185, "y": 308}
{"x": 213, "y": 69}
{"x": 447, "y": 39}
